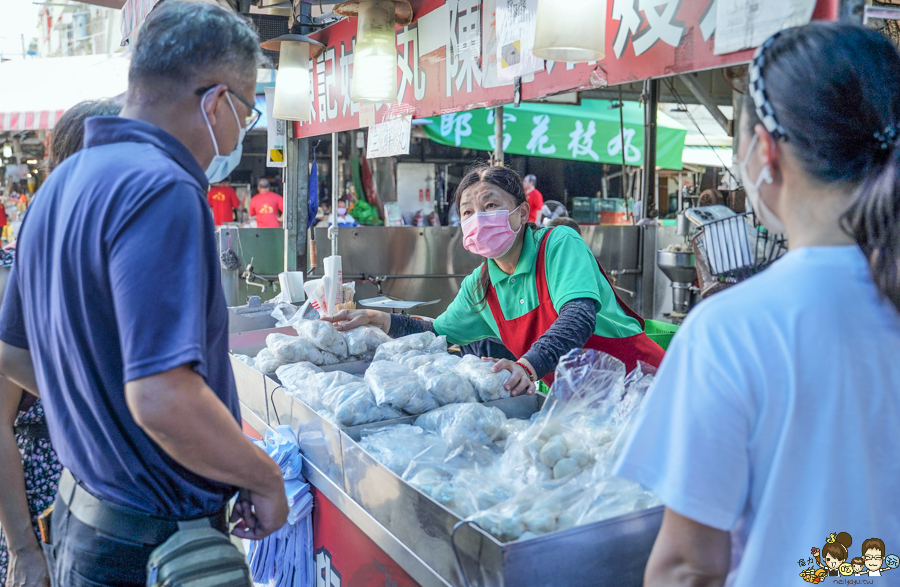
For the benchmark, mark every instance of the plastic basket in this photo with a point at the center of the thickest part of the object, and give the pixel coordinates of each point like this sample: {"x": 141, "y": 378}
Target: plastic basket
{"x": 660, "y": 332}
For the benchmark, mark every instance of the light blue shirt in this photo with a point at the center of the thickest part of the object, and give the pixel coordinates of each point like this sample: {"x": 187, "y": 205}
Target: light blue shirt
{"x": 776, "y": 416}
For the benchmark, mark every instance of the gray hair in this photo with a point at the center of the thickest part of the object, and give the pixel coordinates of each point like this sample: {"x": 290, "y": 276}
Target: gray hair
{"x": 181, "y": 40}
{"x": 531, "y": 178}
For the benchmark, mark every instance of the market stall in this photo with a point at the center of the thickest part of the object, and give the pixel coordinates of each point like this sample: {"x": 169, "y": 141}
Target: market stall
{"x": 383, "y": 521}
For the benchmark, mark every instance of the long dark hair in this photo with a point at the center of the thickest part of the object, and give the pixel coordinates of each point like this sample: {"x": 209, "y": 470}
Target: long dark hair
{"x": 835, "y": 90}
{"x": 507, "y": 180}
{"x": 67, "y": 137}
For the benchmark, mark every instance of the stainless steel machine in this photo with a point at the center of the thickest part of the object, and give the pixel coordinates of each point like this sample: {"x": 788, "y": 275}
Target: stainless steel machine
{"x": 677, "y": 263}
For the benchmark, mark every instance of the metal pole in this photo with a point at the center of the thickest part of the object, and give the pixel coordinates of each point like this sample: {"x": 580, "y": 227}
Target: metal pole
{"x": 296, "y": 203}
{"x": 651, "y": 105}
{"x": 335, "y": 187}
{"x": 498, "y": 136}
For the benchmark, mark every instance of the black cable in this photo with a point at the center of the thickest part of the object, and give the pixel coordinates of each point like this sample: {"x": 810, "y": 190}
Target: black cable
{"x": 681, "y": 102}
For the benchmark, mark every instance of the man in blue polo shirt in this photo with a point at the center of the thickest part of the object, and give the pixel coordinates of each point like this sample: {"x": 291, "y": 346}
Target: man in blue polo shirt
{"x": 115, "y": 311}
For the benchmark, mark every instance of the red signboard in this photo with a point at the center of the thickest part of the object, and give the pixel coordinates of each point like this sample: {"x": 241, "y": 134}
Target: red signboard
{"x": 674, "y": 36}
{"x": 345, "y": 556}
{"x": 441, "y": 65}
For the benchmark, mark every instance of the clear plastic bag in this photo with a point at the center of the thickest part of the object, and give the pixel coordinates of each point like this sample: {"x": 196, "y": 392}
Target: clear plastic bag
{"x": 459, "y": 424}
{"x": 266, "y": 363}
{"x": 488, "y": 385}
{"x": 563, "y": 460}
{"x": 287, "y": 314}
{"x": 355, "y": 405}
{"x": 330, "y": 359}
{"x": 324, "y": 336}
{"x": 298, "y": 381}
{"x": 292, "y": 349}
{"x": 365, "y": 340}
{"x": 245, "y": 359}
{"x": 396, "y": 446}
{"x": 446, "y": 361}
{"x": 437, "y": 346}
{"x": 397, "y": 386}
{"x": 447, "y": 386}
{"x": 413, "y": 342}
{"x": 331, "y": 385}
{"x": 413, "y": 359}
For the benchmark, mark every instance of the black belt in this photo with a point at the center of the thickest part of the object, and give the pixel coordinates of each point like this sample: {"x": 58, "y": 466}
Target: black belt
{"x": 33, "y": 431}
{"x": 120, "y": 521}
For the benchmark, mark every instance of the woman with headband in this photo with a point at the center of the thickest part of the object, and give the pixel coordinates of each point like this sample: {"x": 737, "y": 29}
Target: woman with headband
{"x": 773, "y": 414}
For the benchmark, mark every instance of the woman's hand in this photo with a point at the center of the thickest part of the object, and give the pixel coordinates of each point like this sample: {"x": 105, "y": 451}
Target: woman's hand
{"x": 349, "y": 319}
{"x": 27, "y": 568}
{"x": 519, "y": 382}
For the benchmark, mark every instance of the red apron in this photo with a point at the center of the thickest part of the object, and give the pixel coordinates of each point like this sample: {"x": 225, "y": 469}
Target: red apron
{"x": 520, "y": 333}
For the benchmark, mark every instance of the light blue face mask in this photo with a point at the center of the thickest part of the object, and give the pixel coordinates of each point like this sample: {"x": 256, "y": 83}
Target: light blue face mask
{"x": 222, "y": 165}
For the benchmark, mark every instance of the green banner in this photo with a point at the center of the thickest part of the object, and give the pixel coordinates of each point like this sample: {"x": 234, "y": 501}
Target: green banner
{"x": 590, "y": 132}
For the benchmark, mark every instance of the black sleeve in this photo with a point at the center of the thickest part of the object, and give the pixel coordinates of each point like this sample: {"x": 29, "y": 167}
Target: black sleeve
{"x": 572, "y": 329}
{"x": 403, "y": 325}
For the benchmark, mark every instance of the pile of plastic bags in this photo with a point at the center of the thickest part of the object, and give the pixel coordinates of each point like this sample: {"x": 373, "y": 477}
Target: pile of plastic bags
{"x": 518, "y": 478}
{"x": 285, "y": 558}
{"x": 412, "y": 375}
{"x": 319, "y": 343}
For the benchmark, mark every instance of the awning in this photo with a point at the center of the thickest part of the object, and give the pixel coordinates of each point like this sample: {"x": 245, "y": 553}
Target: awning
{"x": 708, "y": 156}
{"x": 37, "y": 91}
{"x": 590, "y": 132}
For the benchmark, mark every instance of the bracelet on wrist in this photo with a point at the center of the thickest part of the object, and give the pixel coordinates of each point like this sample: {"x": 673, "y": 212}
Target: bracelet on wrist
{"x": 528, "y": 371}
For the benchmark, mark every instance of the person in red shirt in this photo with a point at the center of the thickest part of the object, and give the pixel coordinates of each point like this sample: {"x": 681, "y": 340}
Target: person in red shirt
{"x": 266, "y": 206}
{"x": 224, "y": 201}
{"x": 535, "y": 199}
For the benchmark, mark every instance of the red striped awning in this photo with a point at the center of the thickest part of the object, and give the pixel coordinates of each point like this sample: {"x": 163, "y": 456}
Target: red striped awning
{"x": 42, "y": 120}
{"x": 35, "y": 92}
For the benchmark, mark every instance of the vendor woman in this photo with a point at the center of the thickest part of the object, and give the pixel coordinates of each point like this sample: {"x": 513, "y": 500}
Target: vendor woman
{"x": 540, "y": 291}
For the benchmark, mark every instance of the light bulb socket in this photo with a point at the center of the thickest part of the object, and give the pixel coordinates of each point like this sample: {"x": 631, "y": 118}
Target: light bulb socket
{"x": 403, "y": 12}
{"x": 315, "y": 47}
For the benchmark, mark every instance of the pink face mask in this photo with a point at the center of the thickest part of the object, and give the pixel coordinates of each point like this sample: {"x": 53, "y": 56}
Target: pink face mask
{"x": 488, "y": 233}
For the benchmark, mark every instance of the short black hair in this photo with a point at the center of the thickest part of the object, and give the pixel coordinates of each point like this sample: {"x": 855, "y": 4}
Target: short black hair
{"x": 181, "y": 40}
{"x": 531, "y": 178}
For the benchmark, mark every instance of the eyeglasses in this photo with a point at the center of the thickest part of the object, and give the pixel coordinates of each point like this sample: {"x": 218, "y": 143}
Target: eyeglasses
{"x": 870, "y": 557}
{"x": 251, "y": 119}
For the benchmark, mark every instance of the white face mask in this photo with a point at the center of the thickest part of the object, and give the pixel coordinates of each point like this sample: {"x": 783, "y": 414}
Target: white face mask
{"x": 222, "y": 165}
{"x": 765, "y": 215}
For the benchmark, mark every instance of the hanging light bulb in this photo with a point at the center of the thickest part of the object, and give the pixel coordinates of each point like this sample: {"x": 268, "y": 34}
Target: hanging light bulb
{"x": 574, "y": 34}
{"x": 375, "y": 55}
{"x": 292, "y": 85}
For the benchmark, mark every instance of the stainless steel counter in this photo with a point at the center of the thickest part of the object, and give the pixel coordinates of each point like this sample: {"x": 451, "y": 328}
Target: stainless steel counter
{"x": 430, "y": 263}
{"x": 416, "y": 531}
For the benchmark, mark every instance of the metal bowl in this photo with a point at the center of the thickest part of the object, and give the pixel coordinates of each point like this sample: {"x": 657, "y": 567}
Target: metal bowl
{"x": 678, "y": 267}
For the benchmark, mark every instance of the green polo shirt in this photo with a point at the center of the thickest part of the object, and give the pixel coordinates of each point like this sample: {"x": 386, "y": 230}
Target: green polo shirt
{"x": 572, "y": 273}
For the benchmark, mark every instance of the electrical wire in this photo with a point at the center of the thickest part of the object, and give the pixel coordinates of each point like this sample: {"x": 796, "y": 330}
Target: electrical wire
{"x": 687, "y": 111}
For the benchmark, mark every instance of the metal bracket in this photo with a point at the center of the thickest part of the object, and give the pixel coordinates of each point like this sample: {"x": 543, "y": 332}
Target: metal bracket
{"x": 272, "y": 401}
{"x": 462, "y": 571}
{"x": 706, "y": 100}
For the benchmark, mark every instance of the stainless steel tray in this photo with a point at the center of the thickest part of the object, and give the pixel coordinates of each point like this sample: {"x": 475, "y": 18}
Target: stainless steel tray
{"x": 611, "y": 552}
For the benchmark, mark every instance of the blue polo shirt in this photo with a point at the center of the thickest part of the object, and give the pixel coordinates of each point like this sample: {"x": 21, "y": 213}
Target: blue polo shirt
{"x": 117, "y": 279}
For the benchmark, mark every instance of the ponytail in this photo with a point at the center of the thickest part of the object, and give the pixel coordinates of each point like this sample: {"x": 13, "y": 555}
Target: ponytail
{"x": 831, "y": 92}
{"x": 873, "y": 219}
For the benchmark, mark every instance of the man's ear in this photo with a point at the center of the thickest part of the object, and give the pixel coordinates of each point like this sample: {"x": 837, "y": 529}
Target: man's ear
{"x": 211, "y": 102}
